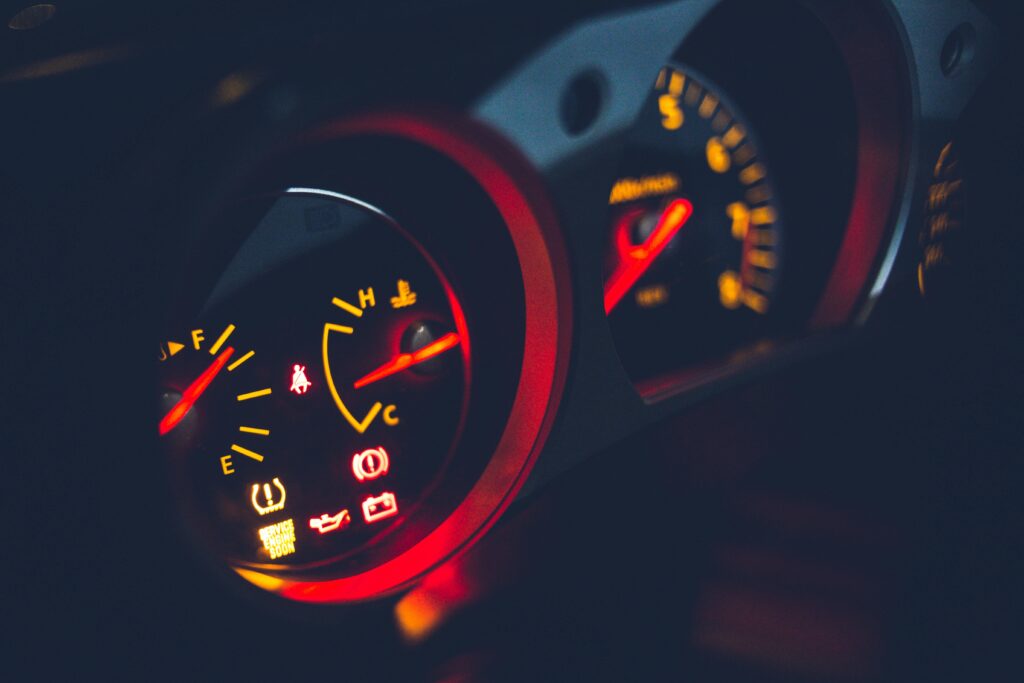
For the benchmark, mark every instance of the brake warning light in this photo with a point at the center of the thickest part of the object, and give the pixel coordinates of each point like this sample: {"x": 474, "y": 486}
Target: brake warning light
{"x": 370, "y": 464}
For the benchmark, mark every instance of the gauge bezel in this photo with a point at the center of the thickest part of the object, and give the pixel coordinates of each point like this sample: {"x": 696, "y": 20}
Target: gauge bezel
{"x": 886, "y": 99}
{"x": 882, "y": 94}
{"x": 511, "y": 185}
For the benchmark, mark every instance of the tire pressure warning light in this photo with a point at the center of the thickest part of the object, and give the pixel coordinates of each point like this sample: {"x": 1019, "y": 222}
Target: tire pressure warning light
{"x": 269, "y": 501}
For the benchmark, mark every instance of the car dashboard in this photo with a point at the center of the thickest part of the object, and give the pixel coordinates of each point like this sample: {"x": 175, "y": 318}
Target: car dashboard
{"x": 455, "y": 341}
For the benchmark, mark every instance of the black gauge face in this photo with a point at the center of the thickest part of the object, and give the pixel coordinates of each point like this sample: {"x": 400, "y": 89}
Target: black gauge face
{"x": 318, "y": 398}
{"x": 695, "y": 242}
{"x": 329, "y": 434}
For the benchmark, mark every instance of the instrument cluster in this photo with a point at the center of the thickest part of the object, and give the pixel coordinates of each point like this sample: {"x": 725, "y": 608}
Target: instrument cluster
{"x": 396, "y": 319}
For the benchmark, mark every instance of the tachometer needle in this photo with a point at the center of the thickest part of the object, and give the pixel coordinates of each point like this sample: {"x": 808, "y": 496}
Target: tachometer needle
{"x": 406, "y": 360}
{"x": 640, "y": 259}
{"x": 194, "y": 391}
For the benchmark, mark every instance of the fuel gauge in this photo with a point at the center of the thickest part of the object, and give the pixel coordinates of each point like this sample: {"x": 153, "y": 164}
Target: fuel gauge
{"x": 210, "y": 372}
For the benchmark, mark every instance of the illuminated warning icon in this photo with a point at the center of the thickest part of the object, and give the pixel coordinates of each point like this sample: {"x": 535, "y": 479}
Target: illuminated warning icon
{"x": 279, "y": 539}
{"x": 376, "y": 508}
{"x": 406, "y": 297}
{"x": 267, "y": 503}
{"x": 300, "y": 383}
{"x": 327, "y": 523}
{"x": 370, "y": 464}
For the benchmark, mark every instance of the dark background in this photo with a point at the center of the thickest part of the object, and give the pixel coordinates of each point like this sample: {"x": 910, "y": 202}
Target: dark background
{"x": 863, "y": 521}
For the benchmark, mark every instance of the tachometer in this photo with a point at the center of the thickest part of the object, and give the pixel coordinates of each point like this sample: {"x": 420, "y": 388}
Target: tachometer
{"x": 696, "y": 239}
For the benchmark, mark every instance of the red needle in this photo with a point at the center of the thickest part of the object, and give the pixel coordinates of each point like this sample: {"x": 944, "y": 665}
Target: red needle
{"x": 194, "y": 391}
{"x": 640, "y": 259}
{"x": 405, "y": 360}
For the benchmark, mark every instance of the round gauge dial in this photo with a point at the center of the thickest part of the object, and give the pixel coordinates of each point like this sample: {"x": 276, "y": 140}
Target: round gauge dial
{"x": 696, "y": 231}
{"x": 328, "y": 430}
{"x": 317, "y": 442}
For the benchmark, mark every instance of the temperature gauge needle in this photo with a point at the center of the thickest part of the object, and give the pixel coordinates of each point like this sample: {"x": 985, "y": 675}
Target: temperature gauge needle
{"x": 406, "y": 360}
{"x": 194, "y": 391}
{"x": 626, "y": 275}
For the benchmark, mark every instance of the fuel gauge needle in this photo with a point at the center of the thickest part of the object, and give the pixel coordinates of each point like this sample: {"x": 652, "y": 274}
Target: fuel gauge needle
{"x": 626, "y": 275}
{"x": 407, "y": 360}
{"x": 194, "y": 391}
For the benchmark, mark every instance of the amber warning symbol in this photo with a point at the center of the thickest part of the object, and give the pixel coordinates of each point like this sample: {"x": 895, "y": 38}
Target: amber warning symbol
{"x": 279, "y": 539}
{"x": 268, "y": 503}
{"x": 406, "y": 297}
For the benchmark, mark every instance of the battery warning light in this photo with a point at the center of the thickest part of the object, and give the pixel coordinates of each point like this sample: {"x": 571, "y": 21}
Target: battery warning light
{"x": 279, "y": 539}
{"x": 300, "y": 383}
{"x": 376, "y": 508}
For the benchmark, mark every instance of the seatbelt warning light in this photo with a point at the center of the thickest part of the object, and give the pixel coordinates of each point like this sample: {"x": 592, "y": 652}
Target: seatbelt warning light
{"x": 279, "y": 539}
{"x": 300, "y": 383}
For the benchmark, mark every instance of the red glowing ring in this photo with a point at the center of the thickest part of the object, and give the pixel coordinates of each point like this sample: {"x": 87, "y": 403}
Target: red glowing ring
{"x": 879, "y": 79}
{"x": 513, "y": 187}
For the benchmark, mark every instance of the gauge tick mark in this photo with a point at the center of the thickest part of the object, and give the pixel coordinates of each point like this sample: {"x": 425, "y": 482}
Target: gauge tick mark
{"x": 246, "y": 452}
{"x": 241, "y": 360}
{"x": 221, "y": 339}
{"x": 255, "y": 394}
{"x": 347, "y": 307}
